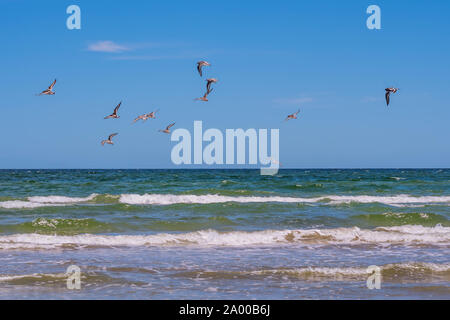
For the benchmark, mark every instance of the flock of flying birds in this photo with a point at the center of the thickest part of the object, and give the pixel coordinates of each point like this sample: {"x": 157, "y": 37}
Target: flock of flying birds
{"x": 152, "y": 115}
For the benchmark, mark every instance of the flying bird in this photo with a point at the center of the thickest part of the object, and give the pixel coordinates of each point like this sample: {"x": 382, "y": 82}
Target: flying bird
{"x": 167, "y": 129}
{"x": 152, "y": 115}
{"x": 292, "y": 116}
{"x": 204, "y": 98}
{"x": 209, "y": 82}
{"x": 49, "y": 90}
{"x": 201, "y": 64}
{"x": 109, "y": 141}
{"x": 388, "y": 93}
{"x": 142, "y": 117}
{"x": 114, "y": 114}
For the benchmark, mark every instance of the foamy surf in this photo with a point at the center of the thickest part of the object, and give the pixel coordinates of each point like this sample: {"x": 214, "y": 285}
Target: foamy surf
{"x": 293, "y": 235}
{"x": 19, "y": 204}
{"x": 395, "y": 271}
{"x": 44, "y": 201}
{"x": 416, "y": 271}
{"x": 60, "y": 199}
{"x": 168, "y": 199}
{"x": 406, "y": 235}
{"x": 36, "y": 276}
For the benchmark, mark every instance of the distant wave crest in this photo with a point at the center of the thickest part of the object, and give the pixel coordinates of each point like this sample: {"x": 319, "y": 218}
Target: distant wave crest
{"x": 44, "y": 201}
{"x": 170, "y": 199}
{"x": 167, "y": 199}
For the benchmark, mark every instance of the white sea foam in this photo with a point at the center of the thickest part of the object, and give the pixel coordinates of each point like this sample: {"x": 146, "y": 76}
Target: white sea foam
{"x": 402, "y": 199}
{"x": 19, "y": 204}
{"x": 47, "y": 201}
{"x": 36, "y": 276}
{"x": 421, "y": 267}
{"x": 398, "y": 178}
{"x": 397, "y": 270}
{"x": 60, "y": 199}
{"x": 407, "y": 235}
{"x": 167, "y": 199}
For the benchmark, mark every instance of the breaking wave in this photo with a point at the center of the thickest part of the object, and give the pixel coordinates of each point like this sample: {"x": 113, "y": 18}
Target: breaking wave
{"x": 167, "y": 199}
{"x": 394, "y": 271}
{"x": 406, "y": 235}
{"x": 40, "y": 201}
{"x": 170, "y": 199}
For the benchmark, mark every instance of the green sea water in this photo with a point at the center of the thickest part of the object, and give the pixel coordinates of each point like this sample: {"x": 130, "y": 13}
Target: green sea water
{"x": 225, "y": 233}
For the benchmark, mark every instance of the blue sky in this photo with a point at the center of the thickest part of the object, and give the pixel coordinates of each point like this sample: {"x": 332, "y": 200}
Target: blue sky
{"x": 271, "y": 58}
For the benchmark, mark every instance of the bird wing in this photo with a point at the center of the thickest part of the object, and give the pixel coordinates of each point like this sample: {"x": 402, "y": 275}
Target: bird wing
{"x": 169, "y": 126}
{"x": 117, "y": 108}
{"x": 152, "y": 114}
{"x": 112, "y": 135}
{"x": 199, "y": 68}
{"x": 52, "y": 85}
{"x": 388, "y": 93}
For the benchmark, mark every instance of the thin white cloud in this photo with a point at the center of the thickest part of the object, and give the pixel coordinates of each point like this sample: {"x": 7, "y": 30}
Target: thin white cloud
{"x": 107, "y": 46}
{"x": 145, "y": 50}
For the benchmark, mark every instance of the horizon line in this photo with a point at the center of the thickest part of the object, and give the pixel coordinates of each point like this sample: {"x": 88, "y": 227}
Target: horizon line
{"x": 288, "y": 168}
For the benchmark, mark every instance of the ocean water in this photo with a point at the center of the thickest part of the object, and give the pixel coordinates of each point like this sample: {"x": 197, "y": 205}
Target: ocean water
{"x": 225, "y": 234}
